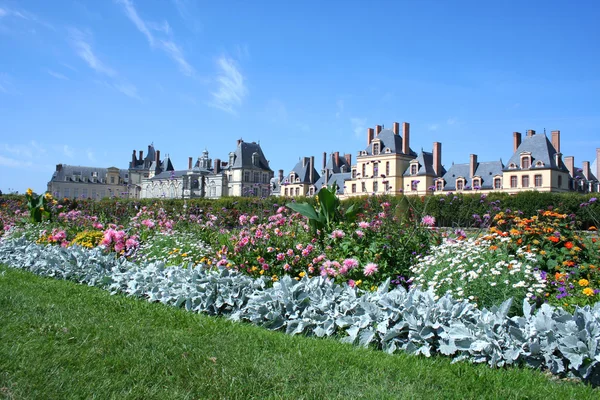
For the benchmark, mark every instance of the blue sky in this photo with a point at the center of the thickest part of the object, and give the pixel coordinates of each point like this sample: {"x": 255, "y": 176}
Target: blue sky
{"x": 86, "y": 82}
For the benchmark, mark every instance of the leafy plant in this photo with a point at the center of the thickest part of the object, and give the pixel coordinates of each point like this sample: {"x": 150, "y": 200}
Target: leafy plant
{"x": 328, "y": 212}
{"x": 39, "y": 206}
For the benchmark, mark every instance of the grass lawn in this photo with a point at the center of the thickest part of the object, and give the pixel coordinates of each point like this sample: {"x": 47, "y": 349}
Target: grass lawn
{"x": 60, "y": 340}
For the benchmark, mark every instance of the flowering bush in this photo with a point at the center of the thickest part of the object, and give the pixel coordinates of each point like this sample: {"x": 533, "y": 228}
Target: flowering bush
{"x": 119, "y": 241}
{"x": 88, "y": 239}
{"x": 481, "y": 271}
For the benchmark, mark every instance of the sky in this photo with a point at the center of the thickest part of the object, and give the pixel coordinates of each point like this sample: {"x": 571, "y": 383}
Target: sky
{"x": 87, "y": 82}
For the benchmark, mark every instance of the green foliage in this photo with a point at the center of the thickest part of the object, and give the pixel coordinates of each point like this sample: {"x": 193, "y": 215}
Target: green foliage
{"x": 327, "y": 213}
{"x": 39, "y": 206}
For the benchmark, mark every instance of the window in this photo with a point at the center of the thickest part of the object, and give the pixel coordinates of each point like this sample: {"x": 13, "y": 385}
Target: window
{"x": 265, "y": 178}
{"x": 414, "y": 185}
{"x": 246, "y": 176}
{"x": 413, "y": 169}
{"x": 538, "y": 180}
{"x": 460, "y": 184}
{"x": 311, "y": 191}
{"x": 375, "y": 186}
{"x": 364, "y": 187}
{"x": 387, "y": 168}
{"x": 256, "y": 177}
{"x": 84, "y": 193}
{"x": 75, "y": 192}
{"x": 94, "y": 193}
{"x": 387, "y": 186}
{"x": 375, "y": 149}
{"x": 285, "y": 192}
{"x": 497, "y": 183}
{"x": 513, "y": 181}
{"x": 102, "y": 194}
{"x": 297, "y": 191}
{"x": 353, "y": 173}
{"x": 559, "y": 181}
{"x": 439, "y": 185}
{"x": 525, "y": 162}
{"x": 67, "y": 192}
{"x": 375, "y": 169}
{"x": 213, "y": 191}
{"x": 354, "y": 188}
{"x": 112, "y": 179}
{"x": 476, "y": 183}
{"x": 525, "y": 181}
{"x": 364, "y": 170}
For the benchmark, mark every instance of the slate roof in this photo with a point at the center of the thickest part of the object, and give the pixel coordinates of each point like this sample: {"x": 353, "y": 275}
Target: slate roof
{"x": 339, "y": 178}
{"x": 243, "y": 156}
{"x": 593, "y": 170}
{"x": 425, "y": 160}
{"x": 541, "y": 149}
{"x": 85, "y": 172}
{"x": 389, "y": 141}
{"x": 337, "y": 168}
{"x": 147, "y": 161}
{"x": 302, "y": 170}
{"x": 485, "y": 170}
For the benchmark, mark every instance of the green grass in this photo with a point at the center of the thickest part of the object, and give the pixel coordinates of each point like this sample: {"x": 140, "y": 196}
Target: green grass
{"x": 60, "y": 340}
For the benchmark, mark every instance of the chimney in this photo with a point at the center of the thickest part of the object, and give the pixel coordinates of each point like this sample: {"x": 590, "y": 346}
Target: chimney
{"x": 217, "y": 166}
{"x": 586, "y": 170}
{"x": 530, "y": 132}
{"x": 304, "y": 160}
{"x": 280, "y": 175}
{"x": 58, "y": 167}
{"x": 311, "y": 166}
{"x": 437, "y": 158}
{"x": 239, "y": 141}
{"x": 556, "y": 140}
{"x": 141, "y": 155}
{"x": 406, "y": 138}
{"x": 133, "y": 160}
{"x": 336, "y": 159}
{"x": 377, "y": 129}
{"x": 348, "y": 158}
{"x": 396, "y": 128}
{"x": 516, "y": 141}
{"x": 473, "y": 165}
{"x": 369, "y": 135}
{"x": 324, "y": 159}
{"x": 189, "y": 162}
{"x": 570, "y": 163}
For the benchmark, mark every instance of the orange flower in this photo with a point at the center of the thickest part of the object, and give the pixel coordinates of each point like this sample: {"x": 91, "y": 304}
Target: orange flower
{"x": 569, "y": 245}
{"x": 553, "y": 239}
{"x": 493, "y": 247}
{"x": 592, "y": 228}
{"x": 558, "y": 276}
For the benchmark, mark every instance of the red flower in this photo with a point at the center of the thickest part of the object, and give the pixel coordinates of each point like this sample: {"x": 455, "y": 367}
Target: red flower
{"x": 569, "y": 245}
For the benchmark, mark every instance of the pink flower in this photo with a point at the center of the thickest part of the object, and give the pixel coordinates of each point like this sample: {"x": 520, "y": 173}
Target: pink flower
{"x": 280, "y": 210}
{"x": 287, "y": 267}
{"x": 299, "y": 246}
{"x": 428, "y": 220}
{"x": 363, "y": 225}
{"x": 370, "y": 269}
{"x": 119, "y": 247}
{"x": 337, "y": 234}
{"x": 290, "y": 252}
{"x": 305, "y": 252}
{"x": 280, "y": 256}
{"x": 350, "y": 263}
{"x": 148, "y": 223}
{"x": 351, "y": 283}
{"x": 253, "y": 219}
{"x": 359, "y": 233}
{"x": 243, "y": 219}
{"x": 131, "y": 243}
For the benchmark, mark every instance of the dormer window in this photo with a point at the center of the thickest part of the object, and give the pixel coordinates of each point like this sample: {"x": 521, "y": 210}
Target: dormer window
{"x": 353, "y": 173}
{"x": 460, "y": 184}
{"x": 439, "y": 185}
{"x": 387, "y": 150}
{"x": 476, "y": 183}
{"x": 539, "y": 164}
{"x": 512, "y": 166}
{"x": 376, "y": 148}
{"x": 525, "y": 162}
{"x": 413, "y": 169}
{"x": 255, "y": 159}
{"x": 498, "y": 183}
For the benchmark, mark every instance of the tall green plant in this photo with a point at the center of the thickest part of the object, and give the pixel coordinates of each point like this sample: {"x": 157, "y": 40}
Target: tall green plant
{"x": 39, "y": 206}
{"x": 328, "y": 211}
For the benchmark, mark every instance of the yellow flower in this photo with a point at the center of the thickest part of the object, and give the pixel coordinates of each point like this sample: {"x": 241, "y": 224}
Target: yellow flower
{"x": 588, "y": 291}
{"x": 262, "y": 271}
{"x": 29, "y": 192}
{"x": 301, "y": 274}
{"x": 48, "y": 196}
{"x": 358, "y": 282}
{"x": 254, "y": 269}
{"x": 583, "y": 282}
{"x": 184, "y": 255}
{"x": 274, "y": 278}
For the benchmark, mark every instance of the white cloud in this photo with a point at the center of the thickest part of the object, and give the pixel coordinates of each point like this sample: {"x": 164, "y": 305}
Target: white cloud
{"x": 451, "y": 121}
{"x": 68, "y": 151}
{"x": 132, "y": 14}
{"x": 340, "y": 108}
{"x": 11, "y": 162}
{"x": 177, "y": 55}
{"x": 3, "y": 12}
{"x": 90, "y": 155}
{"x": 232, "y": 89}
{"x": 80, "y": 42}
{"x": 358, "y": 126}
{"x": 433, "y": 127}
{"x": 128, "y": 90}
{"x": 57, "y": 75}
{"x": 168, "y": 46}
